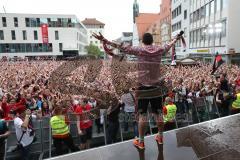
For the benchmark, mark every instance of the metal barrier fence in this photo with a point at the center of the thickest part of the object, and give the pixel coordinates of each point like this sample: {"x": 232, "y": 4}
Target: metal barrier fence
{"x": 201, "y": 109}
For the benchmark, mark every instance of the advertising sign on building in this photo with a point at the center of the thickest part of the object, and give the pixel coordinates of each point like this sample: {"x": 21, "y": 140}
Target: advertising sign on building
{"x": 44, "y": 28}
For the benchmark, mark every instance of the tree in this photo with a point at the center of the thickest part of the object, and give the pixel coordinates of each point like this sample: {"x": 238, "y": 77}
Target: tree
{"x": 93, "y": 50}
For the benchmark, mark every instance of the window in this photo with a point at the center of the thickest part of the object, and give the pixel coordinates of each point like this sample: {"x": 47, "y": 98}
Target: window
{"x": 203, "y": 11}
{"x": 185, "y": 31}
{"x": 194, "y": 16}
{"x": 60, "y": 47}
{"x": 191, "y": 18}
{"x": 59, "y": 22}
{"x": 185, "y": 14}
{"x": 96, "y": 42}
{"x": 218, "y": 5}
{"x": 38, "y": 22}
{"x": 15, "y": 21}
{"x": 25, "y": 47}
{"x": 224, "y": 28}
{"x": 27, "y": 22}
{"x": 33, "y": 22}
{"x": 13, "y": 35}
{"x": 56, "y": 35}
{"x": 43, "y": 21}
{"x": 4, "y": 21}
{"x": 207, "y": 10}
{"x": 194, "y": 37}
{"x": 197, "y": 15}
{"x": 49, "y": 22}
{"x": 212, "y": 11}
{"x": 70, "y": 22}
{"x": 190, "y": 39}
{"x": 1, "y": 35}
{"x": 224, "y": 4}
{"x": 198, "y": 36}
{"x": 35, "y": 35}
{"x": 24, "y": 34}
{"x": 201, "y": 37}
{"x": 173, "y": 15}
{"x": 176, "y": 12}
{"x": 176, "y": 26}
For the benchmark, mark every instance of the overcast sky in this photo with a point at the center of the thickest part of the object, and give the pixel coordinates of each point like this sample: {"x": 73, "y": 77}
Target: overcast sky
{"x": 116, "y": 14}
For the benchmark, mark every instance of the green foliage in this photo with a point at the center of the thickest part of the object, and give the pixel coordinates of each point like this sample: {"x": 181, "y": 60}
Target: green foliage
{"x": 93, "y": 50}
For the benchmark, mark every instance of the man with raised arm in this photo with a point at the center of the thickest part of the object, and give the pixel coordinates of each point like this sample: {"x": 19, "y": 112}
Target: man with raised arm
{"x": 149, "y": 89}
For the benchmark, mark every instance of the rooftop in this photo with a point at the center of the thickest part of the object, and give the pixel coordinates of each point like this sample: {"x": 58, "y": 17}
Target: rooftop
{"x": 92, "y": 21}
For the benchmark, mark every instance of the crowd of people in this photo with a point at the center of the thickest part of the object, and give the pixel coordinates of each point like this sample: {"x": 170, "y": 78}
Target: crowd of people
{"x": 53, "y": 88}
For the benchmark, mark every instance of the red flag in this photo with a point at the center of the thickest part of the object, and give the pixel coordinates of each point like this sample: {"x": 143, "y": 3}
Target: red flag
{"x": 217, "y": 63}
{"x": 44, "y": 28}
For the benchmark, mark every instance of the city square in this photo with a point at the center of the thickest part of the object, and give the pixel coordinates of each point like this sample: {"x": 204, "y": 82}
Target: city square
{"x": 120, "y": 80}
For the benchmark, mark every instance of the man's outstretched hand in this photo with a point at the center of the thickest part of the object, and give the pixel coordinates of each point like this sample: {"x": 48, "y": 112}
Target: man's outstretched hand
{"x": 99, "y": 37}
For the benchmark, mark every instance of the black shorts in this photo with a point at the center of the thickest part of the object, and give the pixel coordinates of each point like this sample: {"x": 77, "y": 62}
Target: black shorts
{"x": 87, "y": 135}
{"x": 156, "y": 103}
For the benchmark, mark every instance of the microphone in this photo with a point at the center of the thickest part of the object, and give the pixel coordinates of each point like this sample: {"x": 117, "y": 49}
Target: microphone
{"x": 181, "y": 33}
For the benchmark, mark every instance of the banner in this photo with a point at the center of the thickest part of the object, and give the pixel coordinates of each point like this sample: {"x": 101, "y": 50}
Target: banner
{"x": 44, "y": 28}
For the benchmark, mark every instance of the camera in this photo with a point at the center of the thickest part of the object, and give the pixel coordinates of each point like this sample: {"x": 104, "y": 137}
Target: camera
{"x": 32, "y": 133}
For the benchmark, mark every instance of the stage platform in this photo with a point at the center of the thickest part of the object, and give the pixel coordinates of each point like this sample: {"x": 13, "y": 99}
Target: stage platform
{"x": 213, "y": 140}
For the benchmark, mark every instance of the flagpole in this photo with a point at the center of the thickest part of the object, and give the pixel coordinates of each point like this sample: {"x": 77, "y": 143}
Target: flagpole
{"x": 4, "y": 10}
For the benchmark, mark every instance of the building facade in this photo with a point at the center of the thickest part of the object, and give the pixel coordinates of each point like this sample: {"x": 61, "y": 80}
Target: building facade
{"x": 155, "y": 30}
{"x": 214, "y": 27}
{"x": 180, "y": 21}
{"x": 94, "y": 26}
{"x": 24, "y": 35}
{"x": 211, "y": 26}
{"x": 165, "y": 21}
{"x": 161, "y": 29}
{"x": 135, "y": 40}
{"x": 165, "y": 33}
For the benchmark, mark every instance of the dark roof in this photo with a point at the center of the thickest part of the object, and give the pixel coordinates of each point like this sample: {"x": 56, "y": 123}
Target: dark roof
{"x": 92, "y": 21}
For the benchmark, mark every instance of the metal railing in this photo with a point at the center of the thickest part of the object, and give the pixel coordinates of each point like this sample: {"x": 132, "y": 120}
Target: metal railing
{"x": 198, "y": 111}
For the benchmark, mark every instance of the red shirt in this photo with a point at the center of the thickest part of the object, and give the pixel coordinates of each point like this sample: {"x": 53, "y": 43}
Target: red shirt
{"x": 20, "y": 107}
{"x": 85, "y": 121}
{"x": 238, "y": 82}
{"x": 6, "y": 109}
{"x": 171, "y": 94}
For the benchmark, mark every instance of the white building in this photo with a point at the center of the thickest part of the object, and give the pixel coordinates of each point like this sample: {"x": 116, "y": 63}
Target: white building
{"x": 180, "y": 21}
{"x": 165, "y": 33}
{"x": 127, "y": 37}
{"x": 94, "y": 26}
{"x": 213, "y": 27}
{"x": 22, "y": 35}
